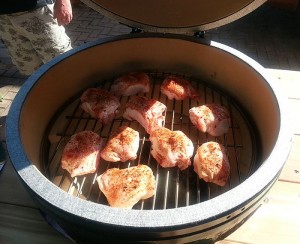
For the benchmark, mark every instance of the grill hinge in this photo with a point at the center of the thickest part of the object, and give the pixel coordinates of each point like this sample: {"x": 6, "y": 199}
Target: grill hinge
{"x": 135, "y": 30}
{"x": 199, "y": 34}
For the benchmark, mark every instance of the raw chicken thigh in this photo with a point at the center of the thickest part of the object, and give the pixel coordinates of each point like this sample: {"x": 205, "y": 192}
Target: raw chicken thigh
{"x": 211, "y": 163}
{"x": 171, "y": 148}
{"x": 211, "y": 118}
{"x": 100, "y": 104}
{"x": 123, "y": 188}
{"x": 148, "y": 112}
{"x": 131, "y": 84}
{"x": 175, "y": 87}
{"x": 122, "y": 145}
{"x": 81, "y": 154}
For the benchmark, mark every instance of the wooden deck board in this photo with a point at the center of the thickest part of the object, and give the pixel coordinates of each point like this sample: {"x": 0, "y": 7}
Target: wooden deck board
{"x": 291, "y": 170}
{"x": 287, "y": 80}
{"x": 295, "y": 115}
{"x": 276, "y": 221}
{"x": 25, "y": 225}
{"x": 11, "y": 189}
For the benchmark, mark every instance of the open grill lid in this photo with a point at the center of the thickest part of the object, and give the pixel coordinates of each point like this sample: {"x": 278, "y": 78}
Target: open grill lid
{"x": 173, "y": 16}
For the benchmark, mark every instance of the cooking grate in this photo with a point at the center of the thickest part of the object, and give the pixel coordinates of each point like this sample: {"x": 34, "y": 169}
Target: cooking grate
{"x": 175, "y": 188}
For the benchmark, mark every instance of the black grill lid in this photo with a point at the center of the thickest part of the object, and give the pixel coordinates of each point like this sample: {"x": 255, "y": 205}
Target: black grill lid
{"x": 173, "y": 16}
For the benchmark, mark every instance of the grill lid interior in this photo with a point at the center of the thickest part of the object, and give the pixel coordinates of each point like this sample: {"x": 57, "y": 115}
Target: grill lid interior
{"x": 174, "y": 16}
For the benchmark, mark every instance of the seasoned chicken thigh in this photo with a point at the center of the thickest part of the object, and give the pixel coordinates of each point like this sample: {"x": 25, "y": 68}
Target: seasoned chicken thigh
{"x": 81, "y": 154}
{"x": 123, "y": 188}
{"x": 131, "y": 84}
{"x": 211, "y": 118}
{"x": 148, "y": 112}
{"x": 211, "y": 163}
{"x": 171, "y": 148}
{"x": 178, "y": 88}
{"x": 100, "y": 104}
{"x": 122, "y": 145}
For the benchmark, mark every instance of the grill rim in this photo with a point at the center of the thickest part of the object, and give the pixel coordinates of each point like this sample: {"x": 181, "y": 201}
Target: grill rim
{"x": 39, "y": 185}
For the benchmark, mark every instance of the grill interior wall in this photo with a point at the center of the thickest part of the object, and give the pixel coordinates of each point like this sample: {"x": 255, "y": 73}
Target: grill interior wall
{"x": 175, "y": 188}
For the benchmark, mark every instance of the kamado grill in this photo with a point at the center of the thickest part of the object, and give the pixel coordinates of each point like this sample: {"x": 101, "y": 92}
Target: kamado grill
{"x": 46, "y": 112}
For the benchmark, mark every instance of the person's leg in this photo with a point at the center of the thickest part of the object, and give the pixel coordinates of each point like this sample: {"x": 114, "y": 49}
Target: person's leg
{"x": 19, "y": 47}
{"x": 47, "y": 38}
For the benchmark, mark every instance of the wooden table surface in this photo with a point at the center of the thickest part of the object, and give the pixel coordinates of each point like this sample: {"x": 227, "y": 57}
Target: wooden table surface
{"x": 276, "y": 221}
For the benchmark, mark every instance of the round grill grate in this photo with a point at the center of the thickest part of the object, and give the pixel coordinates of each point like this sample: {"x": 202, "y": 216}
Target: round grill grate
{"x": 175, "y": 188}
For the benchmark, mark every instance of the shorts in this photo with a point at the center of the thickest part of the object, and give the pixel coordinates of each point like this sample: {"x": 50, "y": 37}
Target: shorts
{"x": 33, "y": 38}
